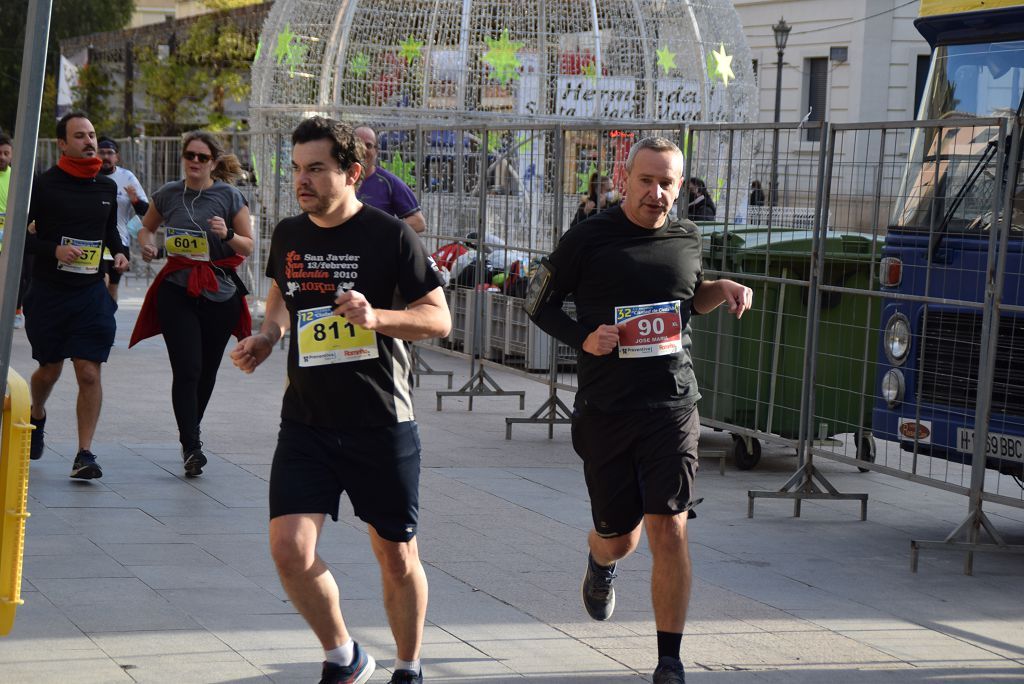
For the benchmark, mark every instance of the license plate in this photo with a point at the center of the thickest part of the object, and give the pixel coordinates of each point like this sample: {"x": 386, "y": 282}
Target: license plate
{"x": 1008, "y": 447}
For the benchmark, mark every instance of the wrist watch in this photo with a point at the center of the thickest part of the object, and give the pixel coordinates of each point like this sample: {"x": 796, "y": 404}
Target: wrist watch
{"x": 230, "y": 236}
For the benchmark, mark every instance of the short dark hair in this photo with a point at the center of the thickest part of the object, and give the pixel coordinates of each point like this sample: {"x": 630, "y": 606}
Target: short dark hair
{"x": 5, "y": 139}
{"x": 62, "y": 125}
{"x": 346, "y": 148}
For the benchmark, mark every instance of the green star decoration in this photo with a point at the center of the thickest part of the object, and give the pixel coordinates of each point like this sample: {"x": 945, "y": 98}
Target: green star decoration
{"x": 494, "y": 141}
{"x": 723, "y": 64}
{"x": 666, "y": 59}
{"x": 410, "y": 49}
{"x": 590, "y": 71}
{"x": 401, "y": 168}
{"x": 289, "y": 51}
{"x": 501, "y": 56}
{"x": 359, "y": 64}
{"x": 584, "y": 179}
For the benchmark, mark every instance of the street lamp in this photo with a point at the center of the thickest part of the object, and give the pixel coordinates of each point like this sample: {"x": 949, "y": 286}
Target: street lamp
{"x": 781, "y": 31}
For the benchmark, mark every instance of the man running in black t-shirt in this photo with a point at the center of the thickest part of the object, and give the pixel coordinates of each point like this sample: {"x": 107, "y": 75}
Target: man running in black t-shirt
{"x": 351, "y": 282}
{"x": 68, "y": 312}
{"x": 636, "y": 277}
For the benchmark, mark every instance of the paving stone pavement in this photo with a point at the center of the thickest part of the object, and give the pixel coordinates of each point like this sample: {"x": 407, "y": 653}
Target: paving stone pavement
{"x": 148, "y": 576}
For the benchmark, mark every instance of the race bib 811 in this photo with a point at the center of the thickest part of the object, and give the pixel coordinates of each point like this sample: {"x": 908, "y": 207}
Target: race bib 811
{"x": 325, "y": 338}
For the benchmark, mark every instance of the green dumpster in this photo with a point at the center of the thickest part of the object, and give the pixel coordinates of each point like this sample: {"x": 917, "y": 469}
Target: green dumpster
{"x": 750, "y": 371}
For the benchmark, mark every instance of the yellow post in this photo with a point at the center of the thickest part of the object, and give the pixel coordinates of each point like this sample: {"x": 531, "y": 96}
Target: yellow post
{"x": 15, "y": 443}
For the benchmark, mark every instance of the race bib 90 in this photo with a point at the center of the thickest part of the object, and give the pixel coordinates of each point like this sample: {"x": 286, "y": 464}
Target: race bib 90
{"x": 649, "y": 329}
{"x": 88, "y": 261}
{"x": 325, "y": 338}
{"x": 191, "y": 244}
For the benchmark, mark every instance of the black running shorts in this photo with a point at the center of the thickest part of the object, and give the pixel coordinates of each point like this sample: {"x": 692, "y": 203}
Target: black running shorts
{"x": 637, "y": 463}
{"x": 69, "y": 322}
{"x": 378, "y": 467}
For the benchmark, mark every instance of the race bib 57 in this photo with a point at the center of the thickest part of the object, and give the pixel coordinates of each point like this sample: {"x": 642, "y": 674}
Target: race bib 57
{"x": 88, "y": 261}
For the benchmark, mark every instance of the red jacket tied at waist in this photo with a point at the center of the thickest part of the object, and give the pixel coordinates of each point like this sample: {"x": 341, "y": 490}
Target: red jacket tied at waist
{"x": 201, "y": 278}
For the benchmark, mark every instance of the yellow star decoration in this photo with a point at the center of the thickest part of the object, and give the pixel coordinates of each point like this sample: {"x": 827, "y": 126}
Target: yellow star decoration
{"x": 723, "y": 64}
{"x": 666, "y": 59}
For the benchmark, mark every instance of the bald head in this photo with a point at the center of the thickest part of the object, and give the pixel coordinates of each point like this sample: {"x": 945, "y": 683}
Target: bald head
{"x": 369, "y": 138}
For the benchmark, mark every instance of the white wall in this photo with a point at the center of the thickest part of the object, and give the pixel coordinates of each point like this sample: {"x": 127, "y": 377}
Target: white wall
{"x": 877, "y": 81}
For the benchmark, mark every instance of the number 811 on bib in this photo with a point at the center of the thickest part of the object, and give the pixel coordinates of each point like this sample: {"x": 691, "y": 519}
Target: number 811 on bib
{"x": 325, "y": 338}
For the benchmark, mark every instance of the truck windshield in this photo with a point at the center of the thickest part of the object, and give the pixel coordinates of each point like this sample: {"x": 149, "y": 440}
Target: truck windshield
{"x": 951, "y": 173}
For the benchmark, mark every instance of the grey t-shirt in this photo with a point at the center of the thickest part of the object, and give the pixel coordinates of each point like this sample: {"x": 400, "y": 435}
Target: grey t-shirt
{"x": 182, "y": 207}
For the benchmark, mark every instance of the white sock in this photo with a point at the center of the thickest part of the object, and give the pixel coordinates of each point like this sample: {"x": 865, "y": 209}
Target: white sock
{"x": 410, "y": 665}
{"x": 342, "y": 655}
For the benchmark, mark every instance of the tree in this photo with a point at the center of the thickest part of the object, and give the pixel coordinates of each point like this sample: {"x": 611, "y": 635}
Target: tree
{"x": 68, "y": 18}
{"x": 191, "y": 85}
{"x": 92, "y": 95}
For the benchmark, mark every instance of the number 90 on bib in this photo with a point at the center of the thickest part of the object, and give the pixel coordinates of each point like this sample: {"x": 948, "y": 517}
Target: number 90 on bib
{"x": 325, "y": 338}
{"x": 649, "y": 329}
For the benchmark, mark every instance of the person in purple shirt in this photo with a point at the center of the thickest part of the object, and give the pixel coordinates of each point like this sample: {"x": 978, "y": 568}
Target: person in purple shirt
{"x": 384, "y": 190}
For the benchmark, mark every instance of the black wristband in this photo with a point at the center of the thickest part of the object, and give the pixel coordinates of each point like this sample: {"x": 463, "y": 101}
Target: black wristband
{"x": 230, "y": 236}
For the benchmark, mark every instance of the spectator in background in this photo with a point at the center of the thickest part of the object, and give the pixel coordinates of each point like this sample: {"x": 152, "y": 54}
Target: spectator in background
{"x": 756, "y": 194}
{"x": 131, "y": 201}
{"x": 601, "y": 194}
{"x": 6, "y": 154}
{"x": 384, "y": 190}
{"x": 700, "y": 207}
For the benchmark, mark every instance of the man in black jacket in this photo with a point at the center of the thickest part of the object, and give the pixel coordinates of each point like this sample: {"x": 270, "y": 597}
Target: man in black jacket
{"x": 68, "y": 311}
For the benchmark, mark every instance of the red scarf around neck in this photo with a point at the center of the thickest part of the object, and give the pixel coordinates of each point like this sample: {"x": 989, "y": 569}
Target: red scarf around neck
{"x": 80, "y": 167}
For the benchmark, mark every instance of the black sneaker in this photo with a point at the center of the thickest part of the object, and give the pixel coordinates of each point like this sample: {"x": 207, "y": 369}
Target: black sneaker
{"x": 194, "y": 459}
{"x": 597, "y": 590}
{"x": 36, "y": 450}
{"x": 358, "y": 672}
{"x": 86, "y": 467}
{"x": 669, "y": 671}
{"x": 406, "y": 677}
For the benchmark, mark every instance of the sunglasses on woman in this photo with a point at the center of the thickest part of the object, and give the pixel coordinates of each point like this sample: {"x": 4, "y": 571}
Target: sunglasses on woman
{"x": 189, "y": 155}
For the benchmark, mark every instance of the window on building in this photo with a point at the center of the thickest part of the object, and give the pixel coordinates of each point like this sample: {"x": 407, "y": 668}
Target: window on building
{"x": 923, "y": 62}
{"x": 817, "y": 91}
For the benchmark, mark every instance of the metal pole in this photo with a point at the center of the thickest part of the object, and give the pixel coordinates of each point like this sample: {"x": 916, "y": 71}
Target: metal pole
{"x": 773, "y": 191}
{"x": 30, "y": 98}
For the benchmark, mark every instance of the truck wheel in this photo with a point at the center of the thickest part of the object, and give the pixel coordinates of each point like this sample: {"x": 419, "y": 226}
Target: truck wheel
{"x": 865, "y": 448}
{"x": 745, "y": 457}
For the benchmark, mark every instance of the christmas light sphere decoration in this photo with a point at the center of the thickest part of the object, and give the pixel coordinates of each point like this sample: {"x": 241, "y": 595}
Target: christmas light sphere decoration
{"x": 503, "y": 62}
{"x": 514, "y": 68}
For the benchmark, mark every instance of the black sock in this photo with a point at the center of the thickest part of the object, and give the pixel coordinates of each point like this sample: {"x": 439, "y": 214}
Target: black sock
{"x": 668, "y": 644}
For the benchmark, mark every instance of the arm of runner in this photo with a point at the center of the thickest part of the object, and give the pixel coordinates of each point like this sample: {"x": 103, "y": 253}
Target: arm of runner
{"x": 254, "y": 350}
{"x": 241, "y": 241}
{"x": 424, "y": 318}
{"x": 603, "y": 340}
{"x": 150, "y": 224}
{"x": 416, "y": 221}
{"x": 112, "y": 237}
{"x": 712, "y": 293}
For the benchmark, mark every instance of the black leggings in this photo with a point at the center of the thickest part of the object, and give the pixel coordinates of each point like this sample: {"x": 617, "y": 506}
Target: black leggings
{"x": 196, "y": 331}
